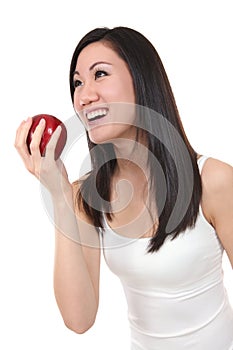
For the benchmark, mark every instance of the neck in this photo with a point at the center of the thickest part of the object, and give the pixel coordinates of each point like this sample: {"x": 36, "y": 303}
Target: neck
{"x": 131, "y": 156}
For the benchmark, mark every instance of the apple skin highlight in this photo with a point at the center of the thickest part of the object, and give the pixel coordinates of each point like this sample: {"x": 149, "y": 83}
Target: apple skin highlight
{"x": 51, "y": 123}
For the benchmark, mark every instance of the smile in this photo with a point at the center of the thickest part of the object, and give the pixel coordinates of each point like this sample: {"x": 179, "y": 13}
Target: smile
{"x": 96, "y": 114}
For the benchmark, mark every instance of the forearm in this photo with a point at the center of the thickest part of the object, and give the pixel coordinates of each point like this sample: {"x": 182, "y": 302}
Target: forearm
{"x": 73, "y": 286}
{"x": 76, "y": 271}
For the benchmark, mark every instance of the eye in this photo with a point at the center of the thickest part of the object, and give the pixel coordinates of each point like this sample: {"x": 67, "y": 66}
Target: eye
{"x": 100, "y": 74}
{"x": 77, "y": 83}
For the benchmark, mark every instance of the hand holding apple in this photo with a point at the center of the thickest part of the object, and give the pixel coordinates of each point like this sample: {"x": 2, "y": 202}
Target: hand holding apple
{"x": 51, "y": 124}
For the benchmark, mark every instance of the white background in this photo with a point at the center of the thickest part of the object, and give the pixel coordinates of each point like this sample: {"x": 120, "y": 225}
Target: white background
{"x": 194, "y": 40}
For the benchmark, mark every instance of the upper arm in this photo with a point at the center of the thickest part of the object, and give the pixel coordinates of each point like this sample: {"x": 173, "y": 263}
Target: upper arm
{"x": 90, "y": 242}
{"x": 218, "y": 200}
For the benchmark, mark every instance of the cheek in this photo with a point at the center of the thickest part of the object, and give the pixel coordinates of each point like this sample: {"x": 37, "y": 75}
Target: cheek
{"x": 127, "y": 89}
{"x": 123, "y": 113}
{"x": 119, "y": 90}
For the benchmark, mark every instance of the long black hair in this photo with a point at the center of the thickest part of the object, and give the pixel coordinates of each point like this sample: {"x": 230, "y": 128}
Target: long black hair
{"x": 166, "y": 140}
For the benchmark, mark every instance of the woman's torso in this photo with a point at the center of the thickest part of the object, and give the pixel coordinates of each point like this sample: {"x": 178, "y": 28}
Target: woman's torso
{"x": 176, "y": 297}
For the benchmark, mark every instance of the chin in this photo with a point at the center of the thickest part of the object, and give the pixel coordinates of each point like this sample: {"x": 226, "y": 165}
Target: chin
{"x": 103, "y": 134}
{"x": 110, "y": 133}
{"x": 99, "y": 136}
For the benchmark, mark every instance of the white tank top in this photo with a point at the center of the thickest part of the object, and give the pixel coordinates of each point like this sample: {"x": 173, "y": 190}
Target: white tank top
{"x": 176, "y": 296}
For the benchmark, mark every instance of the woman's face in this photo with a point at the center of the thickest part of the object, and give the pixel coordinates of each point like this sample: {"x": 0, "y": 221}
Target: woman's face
{"x": 104, "y": 94}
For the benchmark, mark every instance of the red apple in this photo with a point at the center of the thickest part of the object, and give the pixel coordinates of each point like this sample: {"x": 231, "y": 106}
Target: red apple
{"x": 51, "y": 124}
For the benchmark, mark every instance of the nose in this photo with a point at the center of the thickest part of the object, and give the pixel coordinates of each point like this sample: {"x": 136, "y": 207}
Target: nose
{"x": 87, "y": 95}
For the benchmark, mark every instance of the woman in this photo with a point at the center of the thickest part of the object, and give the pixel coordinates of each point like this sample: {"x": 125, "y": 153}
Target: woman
{"x": 162, "y": 213}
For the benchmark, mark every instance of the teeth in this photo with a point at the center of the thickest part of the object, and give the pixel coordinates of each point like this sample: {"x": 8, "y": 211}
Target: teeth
{"x": 96, "y": 114}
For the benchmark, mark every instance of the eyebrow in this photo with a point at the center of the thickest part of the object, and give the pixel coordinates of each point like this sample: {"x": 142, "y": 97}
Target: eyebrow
{"x": 93, "y": 66}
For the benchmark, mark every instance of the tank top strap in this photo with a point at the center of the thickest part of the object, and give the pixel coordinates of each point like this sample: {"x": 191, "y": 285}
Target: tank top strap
{"x": 201, "y": 161}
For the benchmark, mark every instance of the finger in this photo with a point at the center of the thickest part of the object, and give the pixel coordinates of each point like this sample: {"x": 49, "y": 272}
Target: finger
{"x": 51, "y": 145}
{"x": 36, "y": 158}
{"x": 36, "y": 140}
{"x": 21, "y": 137}
{"x": 21, "y": 144}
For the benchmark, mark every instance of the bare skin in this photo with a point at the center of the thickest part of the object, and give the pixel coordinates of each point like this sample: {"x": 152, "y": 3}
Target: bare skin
{"x": 76, "y": 266}
{"x": 77, "y": 253}
{"x": 217, "y": 201}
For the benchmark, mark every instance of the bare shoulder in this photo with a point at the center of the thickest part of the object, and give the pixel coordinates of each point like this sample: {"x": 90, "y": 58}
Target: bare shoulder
{"x": 217, "y": 175}
{"x": 217, "y": 183}
{"x": 217, "y": 200}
